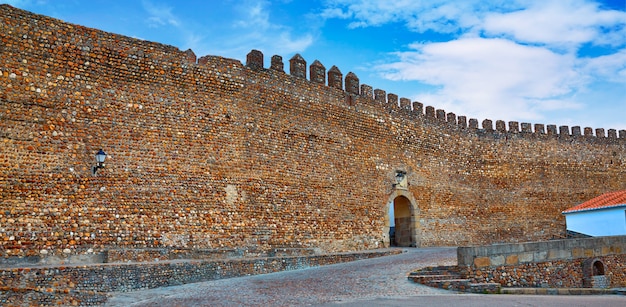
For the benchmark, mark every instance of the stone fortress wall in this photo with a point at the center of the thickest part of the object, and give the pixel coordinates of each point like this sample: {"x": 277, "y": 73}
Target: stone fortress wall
{"x": 206, "y": 153}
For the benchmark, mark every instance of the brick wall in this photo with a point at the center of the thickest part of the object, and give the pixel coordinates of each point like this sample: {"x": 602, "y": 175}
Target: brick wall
{"x": 210, "y": 154}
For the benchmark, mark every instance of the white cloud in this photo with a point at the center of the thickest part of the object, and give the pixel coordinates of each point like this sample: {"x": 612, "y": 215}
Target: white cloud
{"x": 556, "y": 23}
{"x": 255, "y": 15}
{"x": 548, "y": 22}
{"x": 438, "y": 15}
{"x": 160, "y": 15}
{"x": 287, "y": 44}
{"x": 489, "y": 77}
{"x": 335, "y": 13}
{"x": 248, "y": 26}
{"x": 516, "y": 59}
{"x": 257, "y": 31}
{"x": 611, "y": 68}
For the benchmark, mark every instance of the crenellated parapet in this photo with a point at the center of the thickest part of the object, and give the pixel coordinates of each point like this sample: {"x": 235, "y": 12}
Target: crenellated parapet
{"x": 367, "y": 91}
{"x": 380, "y": 96}
{"x": 297, "y": 66}
{"x": 317, "y": 72}
{"x": 191, "y": 56}
{"x": 277, "y": 63}
{"x": 335, "y": 77}
{"x": 254, "y": 60}
{"x": 350, "y": 84}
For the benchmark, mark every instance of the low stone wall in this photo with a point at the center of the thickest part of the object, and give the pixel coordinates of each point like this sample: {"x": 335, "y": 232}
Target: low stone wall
{"x": 87, "y": 257}
{"x": 548, "y": 274}
{"x": 534, "y": 252}
{"x": 574, "y": 263}
{"x": 88, "y": 284}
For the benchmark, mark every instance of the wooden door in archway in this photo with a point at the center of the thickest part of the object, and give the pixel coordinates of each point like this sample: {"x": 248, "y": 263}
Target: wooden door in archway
{"x": 402, "y": 220}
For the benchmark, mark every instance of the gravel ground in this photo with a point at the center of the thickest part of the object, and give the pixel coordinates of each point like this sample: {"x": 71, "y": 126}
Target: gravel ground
{"x": 369, "y": 279}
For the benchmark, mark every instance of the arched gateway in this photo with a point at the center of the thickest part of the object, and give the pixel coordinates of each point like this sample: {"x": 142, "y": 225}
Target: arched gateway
{"x": 401, "y": 220}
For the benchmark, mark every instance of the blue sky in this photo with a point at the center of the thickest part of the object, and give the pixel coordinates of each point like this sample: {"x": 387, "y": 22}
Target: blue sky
{"x": 557, "y": 62}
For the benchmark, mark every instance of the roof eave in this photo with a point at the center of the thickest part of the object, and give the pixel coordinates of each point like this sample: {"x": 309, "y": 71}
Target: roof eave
{"x": 593, "y": 209}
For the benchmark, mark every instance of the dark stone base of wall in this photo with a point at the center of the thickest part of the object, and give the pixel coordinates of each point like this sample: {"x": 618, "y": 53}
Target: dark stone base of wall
{"x": 88, "y": 285}
{"x": 50, "y": 297}
{"x": 549, "y": 274}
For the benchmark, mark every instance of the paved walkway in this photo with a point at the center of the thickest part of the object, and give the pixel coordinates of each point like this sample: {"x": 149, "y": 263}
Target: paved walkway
{"x": 372, "y": 282}
{"x": 370, "y": 278}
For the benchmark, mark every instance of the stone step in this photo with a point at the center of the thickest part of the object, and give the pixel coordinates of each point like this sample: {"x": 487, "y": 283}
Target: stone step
{"x": 438, "y": 272}
{"x": 485, "y": 287}
{"x": 560, "y": 291}
{"x": 449, "y": 284}
{"x": 455, "y": 283}
{"x": 435, "y": 270}
{"x": 422, "y": 279}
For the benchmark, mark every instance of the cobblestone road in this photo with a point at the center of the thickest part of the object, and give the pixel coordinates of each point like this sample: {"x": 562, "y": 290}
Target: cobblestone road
{"x": 372, "y": 282}
{"x": 358, "y": 280}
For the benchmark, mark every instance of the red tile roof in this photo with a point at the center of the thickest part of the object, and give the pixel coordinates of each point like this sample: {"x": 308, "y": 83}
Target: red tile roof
{"x": 608, "y": 200}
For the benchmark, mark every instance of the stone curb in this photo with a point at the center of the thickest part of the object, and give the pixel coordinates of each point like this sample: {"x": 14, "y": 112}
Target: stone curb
{"x": 561, "y": 291}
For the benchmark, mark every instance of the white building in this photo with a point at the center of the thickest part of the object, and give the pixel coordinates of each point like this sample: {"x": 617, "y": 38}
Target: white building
{"x": 604, "y": 215}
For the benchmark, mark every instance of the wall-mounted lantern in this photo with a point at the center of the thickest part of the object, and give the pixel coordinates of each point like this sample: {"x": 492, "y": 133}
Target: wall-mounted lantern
{"x": 100, "y": 157}
{"x": 400, "y": 176}
{"x": 401, "y": 180}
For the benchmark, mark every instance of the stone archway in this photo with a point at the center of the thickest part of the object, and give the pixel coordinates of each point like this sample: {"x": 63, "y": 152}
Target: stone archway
{"x": 594, "y": 274}
{"x": 404, "y": 211}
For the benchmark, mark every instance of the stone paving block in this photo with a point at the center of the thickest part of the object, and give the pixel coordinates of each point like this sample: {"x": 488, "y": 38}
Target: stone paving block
{"x": 497, "y": 260}
{"x": 540, "y": 256}
{"x": 526, "y": 257}
{"x": 482, "y": 262}
{"x": 512, "y": 259}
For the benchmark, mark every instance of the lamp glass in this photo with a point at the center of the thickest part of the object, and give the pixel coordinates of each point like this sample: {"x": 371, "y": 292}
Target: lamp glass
{"x": 100, "y": 156}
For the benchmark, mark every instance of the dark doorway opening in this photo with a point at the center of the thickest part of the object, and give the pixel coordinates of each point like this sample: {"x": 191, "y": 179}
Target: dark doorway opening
{"x": 400, "y": 230}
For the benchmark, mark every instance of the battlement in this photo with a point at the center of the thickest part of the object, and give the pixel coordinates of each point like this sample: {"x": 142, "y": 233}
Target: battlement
{"x": 350, "y": 85}
{"x": 170, "y": 57}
